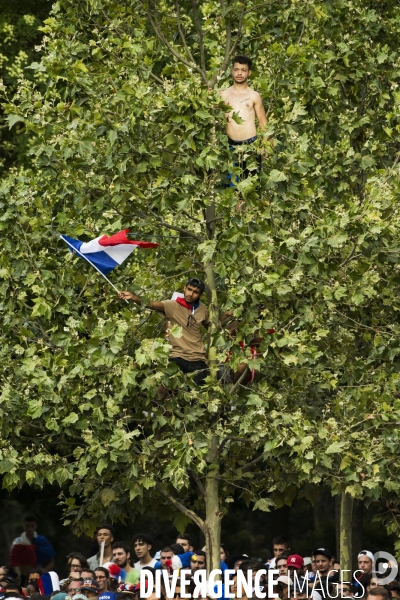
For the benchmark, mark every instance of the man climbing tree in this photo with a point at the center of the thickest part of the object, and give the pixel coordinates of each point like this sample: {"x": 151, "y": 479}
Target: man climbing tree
{"x": 247, "y": 105}
{"x": 189, "y": 314}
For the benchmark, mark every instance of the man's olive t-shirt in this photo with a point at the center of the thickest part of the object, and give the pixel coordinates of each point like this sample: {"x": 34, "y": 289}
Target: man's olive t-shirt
{"x": 190, "y": 346}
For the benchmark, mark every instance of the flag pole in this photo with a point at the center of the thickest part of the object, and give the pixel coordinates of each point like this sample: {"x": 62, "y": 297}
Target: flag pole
{"x": 90, "y": 263}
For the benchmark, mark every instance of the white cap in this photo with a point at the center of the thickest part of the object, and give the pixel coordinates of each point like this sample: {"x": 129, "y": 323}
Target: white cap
{"x": 285, "y": 579}
{"x": 368, "y": 554}
{"x": 307, "y": 560}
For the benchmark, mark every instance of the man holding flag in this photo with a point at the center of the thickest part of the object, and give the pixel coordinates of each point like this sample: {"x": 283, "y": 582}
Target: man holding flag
{"x": 188, "y": 351}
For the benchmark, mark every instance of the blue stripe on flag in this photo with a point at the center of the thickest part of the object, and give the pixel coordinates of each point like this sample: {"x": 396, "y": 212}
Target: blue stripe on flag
{"x": 101, "y": 260}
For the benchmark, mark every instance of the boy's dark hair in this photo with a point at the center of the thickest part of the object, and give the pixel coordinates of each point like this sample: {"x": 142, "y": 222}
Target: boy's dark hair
{"x": 13, "y": 586}
{"x": 82, "y": 559}
{"x": 102, "y": 569}
{"x": 251, "y": 565}
{"x": 167, "y": 549}
{"x": 285, "y": 555}
{"x": 142, "y": 537}
{"x": 379, "y": 591}
{"x": 242, "y": 59}
{"x": 107, "y": 526}
{"x": 200, "y": 553}
{"x": 201, "y": 285}
{"x": 38, "y": 570}
{"x": 281, "y": 539}
{"x": 185, "y": 536}
{"x": 125, "y": 547}
{"x": 177, "y": 549}
{"x": 30, "y": 519}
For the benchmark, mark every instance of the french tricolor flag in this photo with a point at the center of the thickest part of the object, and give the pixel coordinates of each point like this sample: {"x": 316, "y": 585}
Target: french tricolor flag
{"x": 106, "y": 253}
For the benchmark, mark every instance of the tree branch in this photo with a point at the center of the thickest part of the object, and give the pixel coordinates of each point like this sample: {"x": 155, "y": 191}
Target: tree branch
{"x": 198, "y": 482}
{"x": 239, "y": 381}
{"x": 157, "y": 29}
{"x": 192, "y": 516}
{"x": 174, "y": 227}
{"x": 199, "y": 30}
{"x": 156, "y": 78}
{"x": 178, "y": 18}
{"x": 350, "y": 256}
{"x": 251, "y": 464}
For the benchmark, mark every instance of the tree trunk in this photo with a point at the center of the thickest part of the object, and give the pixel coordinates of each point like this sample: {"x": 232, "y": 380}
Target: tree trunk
{"x": 346, "y": 513}
{"x": 357, "y": 527}
{"x": 213, "y": 514}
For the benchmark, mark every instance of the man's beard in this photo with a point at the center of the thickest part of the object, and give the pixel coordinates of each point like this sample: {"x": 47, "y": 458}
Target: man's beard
{"x": 241, "y": 82}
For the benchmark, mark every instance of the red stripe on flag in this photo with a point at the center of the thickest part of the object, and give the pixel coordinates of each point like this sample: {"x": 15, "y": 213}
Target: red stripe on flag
{"x": 121, "y": 238}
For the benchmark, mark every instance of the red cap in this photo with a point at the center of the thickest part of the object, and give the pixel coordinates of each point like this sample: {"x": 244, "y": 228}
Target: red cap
{"x": 295, "y": 561}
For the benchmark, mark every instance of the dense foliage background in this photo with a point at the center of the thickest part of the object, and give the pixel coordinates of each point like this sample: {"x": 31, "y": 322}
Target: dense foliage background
{"x": 125, "y": 127}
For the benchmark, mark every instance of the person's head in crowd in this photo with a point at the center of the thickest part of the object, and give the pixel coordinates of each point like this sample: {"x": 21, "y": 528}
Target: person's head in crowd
{"x": 32, "y": 588}
{"x": 177, "y": 549}
{"x": 281, "y": 565}
{"x": 313, "y": 564}
{"x": 336, "y": 564}
{"x": 38, "y": 596}
{"x": 224, "y": 553}
{"x": 372, "y": 582}
{"x": 76, "y": 562}
{"x": 30, "y": 526}
{"x": 87, "y": 574}
{"x": 251, "y": 565}
{"x": 72, "y": 586}
{"x": 34, "y": 574}
{"x": 121, "y": 554}
{"x": 13, "y": 588}
{"x": 299, "y": 591}
{"x": 323, "y": 560}
{"x": 185, "y": 540}
{"x": 234, "y": 588}
{"x": 294, "y": 562}
{"x": 105, "y": 533}
{"x": 365, "y": 561}
{"x": 7, "y": 575}
{"x": 166, "y": 554}
{"x": 345, "y": 590}
{"x": 198, "y": 561}
{"x": 90, "y": 588}
{"x": 102, "y": 577}
{"x": 378, "y": 593}
{"x": 235, "y": 562}
{"x": 307, "y": 564}
{"x": 279, "y": 544}
{"x": 284, "y": 585}
{"x": 80, "y": 596}
{"x": 142, "y": 544}
{"x": 394, "y": 589}
{"x": 57, "y": 595}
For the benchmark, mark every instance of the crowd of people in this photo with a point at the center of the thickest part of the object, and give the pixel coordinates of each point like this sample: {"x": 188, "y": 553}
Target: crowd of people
{"x": 114, "y": 571}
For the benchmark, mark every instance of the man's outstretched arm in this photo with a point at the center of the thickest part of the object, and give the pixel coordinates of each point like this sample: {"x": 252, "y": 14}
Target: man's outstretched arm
{"x": 158, "y": 306}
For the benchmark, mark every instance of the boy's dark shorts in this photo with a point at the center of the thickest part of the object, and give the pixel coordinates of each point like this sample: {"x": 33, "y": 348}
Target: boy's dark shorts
{"x": 191, "y": 366}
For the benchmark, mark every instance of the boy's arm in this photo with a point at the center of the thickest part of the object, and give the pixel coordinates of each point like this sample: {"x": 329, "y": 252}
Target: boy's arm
{"x": 154, "y": 305}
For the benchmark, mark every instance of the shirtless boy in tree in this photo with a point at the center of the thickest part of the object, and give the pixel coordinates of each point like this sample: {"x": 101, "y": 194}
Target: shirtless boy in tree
{"x": 244, "y": 101}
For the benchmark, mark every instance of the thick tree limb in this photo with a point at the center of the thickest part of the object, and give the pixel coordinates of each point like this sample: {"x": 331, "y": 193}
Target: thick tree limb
{"x": 157, "y": 30}
{"x": 229, "y": 46}
{"x": 251, "y": 464}
{"x": 179, "y": 23}
{"x": 198, "y": 482}
{"x": 192, "y": 516}
{"x": 240, "y": 380}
